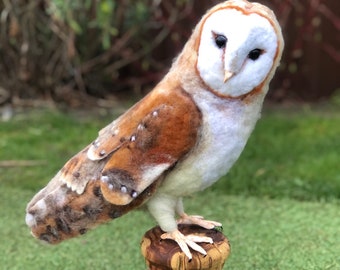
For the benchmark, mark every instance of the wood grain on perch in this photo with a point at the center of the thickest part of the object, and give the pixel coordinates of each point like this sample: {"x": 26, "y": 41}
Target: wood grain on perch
{"x": 167, "y": 255}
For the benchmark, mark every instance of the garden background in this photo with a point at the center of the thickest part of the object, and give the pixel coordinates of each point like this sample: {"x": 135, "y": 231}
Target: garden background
{"x": 68, "y": 68}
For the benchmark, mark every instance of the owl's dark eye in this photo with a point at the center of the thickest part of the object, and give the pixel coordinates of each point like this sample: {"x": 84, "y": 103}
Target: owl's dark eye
{"x": 254, "y": 54}
{"x": 220, "y": 41}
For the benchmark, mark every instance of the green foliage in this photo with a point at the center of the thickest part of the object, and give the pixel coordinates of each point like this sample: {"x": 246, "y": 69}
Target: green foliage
{"x": 109, "y": 17}
{"x": 335, "y": 98}
{"x": 101, "y": 47}
{"x": 63, "y": 10}
{"x": 104, "y": 13}
{"x": 76, "y": 14}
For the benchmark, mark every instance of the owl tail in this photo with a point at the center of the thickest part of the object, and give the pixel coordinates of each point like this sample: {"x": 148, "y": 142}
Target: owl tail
{"x": 57, "y": 213}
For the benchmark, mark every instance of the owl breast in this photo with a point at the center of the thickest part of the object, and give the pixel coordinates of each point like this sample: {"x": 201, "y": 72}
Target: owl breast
{"x": 227, "y": 125}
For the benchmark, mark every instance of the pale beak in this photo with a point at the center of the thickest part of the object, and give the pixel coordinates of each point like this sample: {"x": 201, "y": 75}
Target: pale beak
{"x": 227, "y": 75}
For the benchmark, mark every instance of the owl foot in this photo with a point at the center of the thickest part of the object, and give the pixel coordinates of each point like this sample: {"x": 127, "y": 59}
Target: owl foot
{"x": 198, "y": 220}
{"x": 186, "y": 241}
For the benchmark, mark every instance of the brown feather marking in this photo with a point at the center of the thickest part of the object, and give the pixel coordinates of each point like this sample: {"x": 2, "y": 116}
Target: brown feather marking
{"x": 79, "y": 170}
{"x": 162, "y": 130}
{"x": 158, "y": 130}
{"x": 79, "y": 213}
{"x": 167, "y": 129}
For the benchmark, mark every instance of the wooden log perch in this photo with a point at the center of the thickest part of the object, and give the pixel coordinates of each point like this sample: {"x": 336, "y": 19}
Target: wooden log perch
{"x": 166, "y": 254}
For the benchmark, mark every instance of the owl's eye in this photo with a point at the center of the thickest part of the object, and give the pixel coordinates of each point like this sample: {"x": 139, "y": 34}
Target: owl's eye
{"x": 254, "y": 54}
{"x": 220, "y": 41}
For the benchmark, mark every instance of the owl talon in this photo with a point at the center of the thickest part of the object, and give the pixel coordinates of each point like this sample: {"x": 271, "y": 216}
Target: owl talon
{"x": 198, "y": 220}
{"x": 186, "y": 241}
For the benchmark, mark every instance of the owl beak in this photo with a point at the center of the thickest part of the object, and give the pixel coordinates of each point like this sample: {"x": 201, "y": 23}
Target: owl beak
{"x": 227, "y": 75}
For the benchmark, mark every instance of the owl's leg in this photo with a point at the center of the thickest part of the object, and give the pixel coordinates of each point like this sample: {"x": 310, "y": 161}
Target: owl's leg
{"x": 195, "y": 220}
{"x": 163, "y": 207}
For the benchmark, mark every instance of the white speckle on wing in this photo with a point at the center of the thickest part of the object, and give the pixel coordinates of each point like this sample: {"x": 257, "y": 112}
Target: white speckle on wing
{"x": 41, "y": 205}
{"x": 30, "y": 220}
{"x": 96, "y": 143}
{"x": 104, "y": 178}
{"x": 140, "y": 127}
{"x": 68, "y": 184}
{"x": 115, "y": 132}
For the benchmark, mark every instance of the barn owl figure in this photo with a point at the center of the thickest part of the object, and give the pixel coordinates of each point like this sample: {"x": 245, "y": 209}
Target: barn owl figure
{"x": 179, "y": 139}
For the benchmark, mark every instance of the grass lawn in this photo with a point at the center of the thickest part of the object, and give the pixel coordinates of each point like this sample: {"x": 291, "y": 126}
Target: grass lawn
{"x": 279, "y": 205}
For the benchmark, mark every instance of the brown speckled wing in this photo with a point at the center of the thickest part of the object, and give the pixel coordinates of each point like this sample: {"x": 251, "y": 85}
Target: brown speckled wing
{"x": 135, "y": 150}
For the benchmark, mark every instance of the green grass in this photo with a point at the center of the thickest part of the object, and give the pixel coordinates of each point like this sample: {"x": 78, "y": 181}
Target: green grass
{"x": 279, "y": 205}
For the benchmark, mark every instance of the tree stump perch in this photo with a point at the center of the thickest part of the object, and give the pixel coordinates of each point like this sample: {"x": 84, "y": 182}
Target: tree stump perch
{"x": 166, "y": 254}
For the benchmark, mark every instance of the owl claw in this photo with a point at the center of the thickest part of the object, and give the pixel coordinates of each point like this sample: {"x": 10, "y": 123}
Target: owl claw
{"x": 198, "y": 220}
{"x": 186, "y": 241}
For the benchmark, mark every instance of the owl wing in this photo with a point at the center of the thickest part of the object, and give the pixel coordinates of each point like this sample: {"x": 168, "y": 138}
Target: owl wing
{"x": 138, "y": 148}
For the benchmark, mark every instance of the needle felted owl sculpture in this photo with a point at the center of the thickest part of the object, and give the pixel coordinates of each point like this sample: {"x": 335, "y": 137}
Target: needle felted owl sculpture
{"x": 179, "y": 139}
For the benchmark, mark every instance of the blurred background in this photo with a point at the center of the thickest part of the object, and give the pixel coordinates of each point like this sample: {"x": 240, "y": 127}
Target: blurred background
{"x": 84, "y": 53}
{"x": 69, "y": 67}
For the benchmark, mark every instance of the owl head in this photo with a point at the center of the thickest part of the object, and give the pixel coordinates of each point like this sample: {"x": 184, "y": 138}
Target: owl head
{"x": 235, "y": 49}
